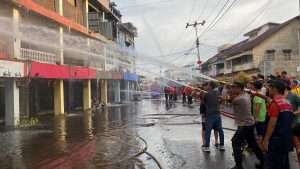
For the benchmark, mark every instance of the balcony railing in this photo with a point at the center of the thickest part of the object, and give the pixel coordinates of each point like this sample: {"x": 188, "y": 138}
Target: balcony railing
{"x": 33, "y": 55}
{"x": 3, "y": 48}
{"x": 221, "y": 71}
{"x": 48, "y": 4}
{"x": 73, "y": 13}
{"x": 242, "y": 67}
{"x": 227, "y": 71}
{"x": 104, "y": 28}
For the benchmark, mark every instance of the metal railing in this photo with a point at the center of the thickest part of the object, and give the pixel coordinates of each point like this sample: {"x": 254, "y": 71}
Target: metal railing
{"x": 242, "y": 67}
{"x": 48, "y": 4}
{"x": 33, "y": 55}
{"x": 227, "y": 71}
{"x": 3, "y": 48}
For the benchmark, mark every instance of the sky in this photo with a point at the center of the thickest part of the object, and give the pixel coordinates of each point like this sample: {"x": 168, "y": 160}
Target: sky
{"x": 162, "y": 28}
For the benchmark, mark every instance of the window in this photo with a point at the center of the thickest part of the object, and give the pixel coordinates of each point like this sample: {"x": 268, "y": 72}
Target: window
{"x": 270, "y": 55}
{"x": 287, "y": 54}
{"x": 229, "y": 65}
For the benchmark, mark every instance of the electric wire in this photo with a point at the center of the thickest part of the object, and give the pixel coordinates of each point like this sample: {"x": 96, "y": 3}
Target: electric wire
{"x": 246, "y": 27}
{"x": 204, "y": 9}
{"x": 211, "y": 12}
{"x": 213, "y": 20}
{"x": 192, "y": 11}
{"x": 191, "y": 30}
{"x": 209, "y": 28}
{"x": 184, "y": 30}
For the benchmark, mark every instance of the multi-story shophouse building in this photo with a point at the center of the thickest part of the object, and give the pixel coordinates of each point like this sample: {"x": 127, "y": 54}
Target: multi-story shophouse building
{"x": 57, "y": 55}
{"x": 270, "y": 48}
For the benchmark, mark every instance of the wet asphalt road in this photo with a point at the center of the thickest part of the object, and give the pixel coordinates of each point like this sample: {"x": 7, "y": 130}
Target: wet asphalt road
{"x": 107, "y": 138}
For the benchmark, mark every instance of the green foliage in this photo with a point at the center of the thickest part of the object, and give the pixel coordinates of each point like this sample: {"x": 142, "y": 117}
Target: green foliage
{"x": 225, "y": 79}
{"x": 242, "y": 77}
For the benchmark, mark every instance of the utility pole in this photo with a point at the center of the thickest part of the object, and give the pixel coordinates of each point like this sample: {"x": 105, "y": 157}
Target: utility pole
{"x": 195, "y": 25}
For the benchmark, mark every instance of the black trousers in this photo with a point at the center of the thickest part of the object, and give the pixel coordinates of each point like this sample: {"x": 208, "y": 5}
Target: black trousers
{"x": 170, "y": 96}
{"x": 277, "y": 160}
{"x": 190, "y": 99}
{"x": 166, "y": 96}
{"x": 242, "y": 134}
{"x": 183, "y": 98}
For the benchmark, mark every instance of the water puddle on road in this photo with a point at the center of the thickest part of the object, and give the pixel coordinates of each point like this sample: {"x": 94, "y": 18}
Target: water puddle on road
{"x": 100, "y": 139}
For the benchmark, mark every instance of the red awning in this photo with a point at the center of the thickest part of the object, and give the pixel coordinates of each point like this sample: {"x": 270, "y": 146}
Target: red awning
{"x": 49, "y": 71}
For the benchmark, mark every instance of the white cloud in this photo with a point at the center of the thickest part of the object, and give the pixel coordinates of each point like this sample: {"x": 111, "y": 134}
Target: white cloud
{"x": 167, "y": 22}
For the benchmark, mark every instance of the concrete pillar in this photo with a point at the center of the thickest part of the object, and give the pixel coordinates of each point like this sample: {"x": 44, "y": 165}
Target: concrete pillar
{"x": 87, "y": 98}
{"x": 12, "y": 109}
{"x": 117, "y": 91}
{"x": 59, "y": 101}
{"x": 36, "y": 97}
{"x": 127, "y": 91}
{"x": 14, "y": 45}
{"x": 59, "y": 7}
{"x": 61, "y": 42}
{"x": 104, "y": 91}
{"x": 59, "y": 98}
{"x": 86, "y": 13}
{"x": 60, "y": 11}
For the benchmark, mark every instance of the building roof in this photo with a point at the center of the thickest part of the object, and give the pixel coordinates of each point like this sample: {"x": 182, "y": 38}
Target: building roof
{"x": 247, "y": 44}
{"x": 259, "y": 28}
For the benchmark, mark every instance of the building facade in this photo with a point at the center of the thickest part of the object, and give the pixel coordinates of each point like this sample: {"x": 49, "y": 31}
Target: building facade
{"x": 270, "y": 48}
{"x": 60, "y": 54}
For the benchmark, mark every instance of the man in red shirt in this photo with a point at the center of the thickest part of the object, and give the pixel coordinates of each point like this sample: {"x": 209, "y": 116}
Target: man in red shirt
{"x": 277, "y": 142}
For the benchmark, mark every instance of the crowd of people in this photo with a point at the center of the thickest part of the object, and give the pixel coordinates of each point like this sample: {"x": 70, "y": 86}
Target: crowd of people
{"x": 267, "y": 115}
{"x": 171, "y": 93}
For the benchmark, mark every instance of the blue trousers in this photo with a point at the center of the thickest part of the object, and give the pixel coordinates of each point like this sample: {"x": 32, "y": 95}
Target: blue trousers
{"x": 214, "y": 122}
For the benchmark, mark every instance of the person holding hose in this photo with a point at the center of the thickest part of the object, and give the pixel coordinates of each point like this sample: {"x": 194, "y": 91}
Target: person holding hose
{"x": 213, "y": 117}
{"x": 277, "y": 142}
{"x": 241, "y": 102}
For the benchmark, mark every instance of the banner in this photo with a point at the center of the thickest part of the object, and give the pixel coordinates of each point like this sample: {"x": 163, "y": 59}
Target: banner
{"x": 11, "y": 69}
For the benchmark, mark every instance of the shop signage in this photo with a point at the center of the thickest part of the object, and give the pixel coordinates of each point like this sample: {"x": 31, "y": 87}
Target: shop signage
{"x": 11, "y": 69}
{"x": 131, "y": 76}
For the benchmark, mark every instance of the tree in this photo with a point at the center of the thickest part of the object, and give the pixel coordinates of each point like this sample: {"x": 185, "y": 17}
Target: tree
{"x": 242, "y": 77}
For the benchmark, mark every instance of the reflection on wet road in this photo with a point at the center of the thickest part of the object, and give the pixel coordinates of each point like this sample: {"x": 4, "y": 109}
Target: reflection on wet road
{"x": 108, "y": 138}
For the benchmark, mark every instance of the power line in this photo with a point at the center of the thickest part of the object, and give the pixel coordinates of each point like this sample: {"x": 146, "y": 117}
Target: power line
{"x": 198, "y": 19}
{"x": 213, "y": 9}
{"x": 264, "y": 8}
{"x": 146, "y": 4}
{"x": 192, "y": 10}
{"x": 182, "y": 33}
{"x": 176, "y": 53}
{"x": 203, "y": 10}
{"x": 185, "y": 53}
{"x": 215, "y": 17}
{"x": 209, "y": 28}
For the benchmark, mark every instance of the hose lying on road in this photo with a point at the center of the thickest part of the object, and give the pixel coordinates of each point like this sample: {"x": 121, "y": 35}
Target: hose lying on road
{"x": 230, "y": 115}
{"x": 140, "y": 152}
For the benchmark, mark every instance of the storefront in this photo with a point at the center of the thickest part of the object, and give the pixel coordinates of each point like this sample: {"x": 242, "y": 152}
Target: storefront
{"x": 64, "y": 87}
{"x": 11, "y": 73}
